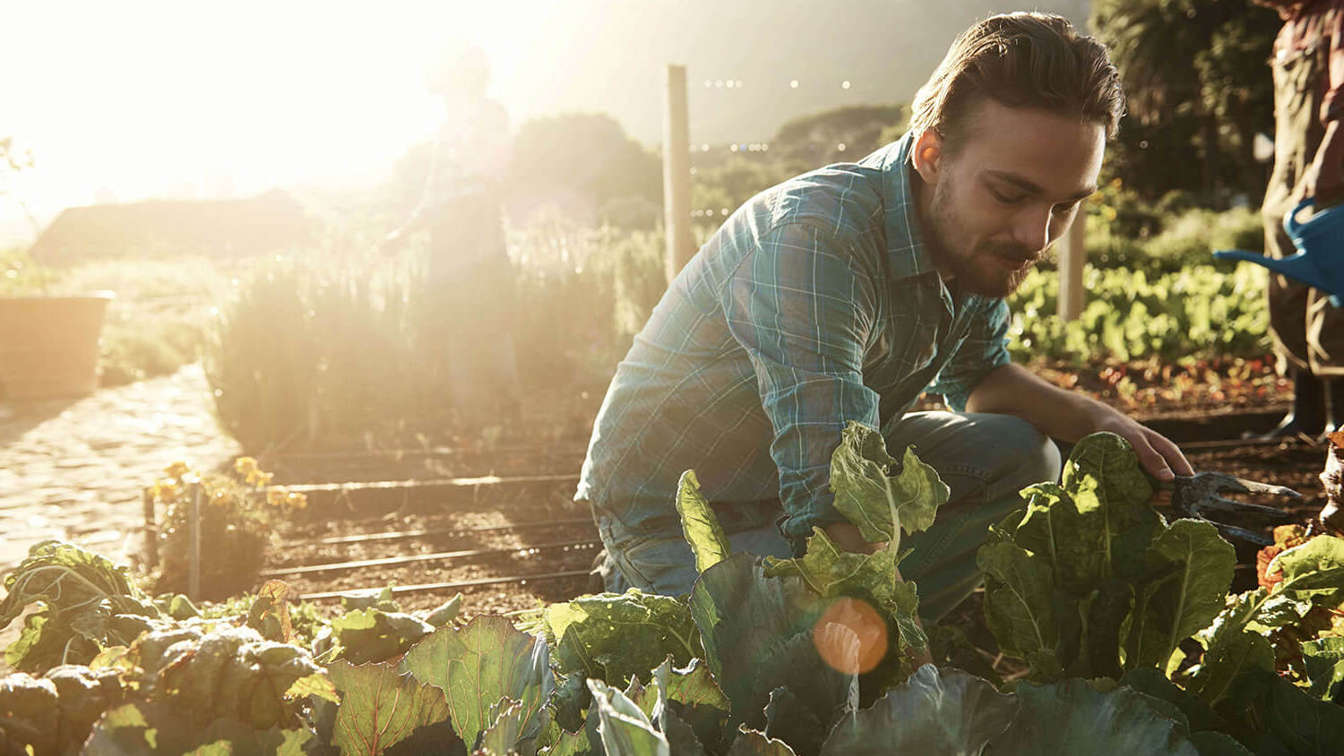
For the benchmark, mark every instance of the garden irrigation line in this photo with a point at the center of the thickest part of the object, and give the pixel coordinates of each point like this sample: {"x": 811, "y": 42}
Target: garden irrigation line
{"x": 434, "y": 451}
{"x": 408, "y": 534}
{"x": 432, "y": 587}
{"x": 443, "y": 556}
{"x": 410, "y": 485}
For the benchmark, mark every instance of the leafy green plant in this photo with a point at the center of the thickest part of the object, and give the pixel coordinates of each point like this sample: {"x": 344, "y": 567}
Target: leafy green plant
{"x": 1133, "y": 642}
{"x": 1198, "y": 312}
{"x": 235, "y": 525}
{"x": 86, "y": 602}
{"x": 1089, "y": 579}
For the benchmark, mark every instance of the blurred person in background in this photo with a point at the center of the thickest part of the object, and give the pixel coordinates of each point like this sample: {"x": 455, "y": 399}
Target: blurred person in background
{"x": 467, "y": 276}
{"x": 1308, "y": 65}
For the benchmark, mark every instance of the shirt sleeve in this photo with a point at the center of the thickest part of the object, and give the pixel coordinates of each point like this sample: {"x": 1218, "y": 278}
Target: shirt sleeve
{"x": 985, "y": 348}
{"x": 1332, "y": 106}
{"x": 803, "y": 311}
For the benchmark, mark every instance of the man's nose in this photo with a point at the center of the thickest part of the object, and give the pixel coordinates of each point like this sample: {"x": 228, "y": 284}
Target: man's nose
{"x": 1031, "y": 228}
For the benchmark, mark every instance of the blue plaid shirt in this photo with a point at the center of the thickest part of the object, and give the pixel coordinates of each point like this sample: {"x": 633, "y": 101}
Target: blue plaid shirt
{"x": 814, "y": 304}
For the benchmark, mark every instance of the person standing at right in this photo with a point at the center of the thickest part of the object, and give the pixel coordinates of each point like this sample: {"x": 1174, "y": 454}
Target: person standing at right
{"x": 1308, "y": 63}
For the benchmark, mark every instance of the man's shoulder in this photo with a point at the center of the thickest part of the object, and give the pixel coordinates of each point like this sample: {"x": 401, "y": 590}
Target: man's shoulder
{"x": 844, "y": 200}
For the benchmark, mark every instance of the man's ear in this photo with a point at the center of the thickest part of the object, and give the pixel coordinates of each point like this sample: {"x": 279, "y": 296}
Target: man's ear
{"x": 928, "y": 155}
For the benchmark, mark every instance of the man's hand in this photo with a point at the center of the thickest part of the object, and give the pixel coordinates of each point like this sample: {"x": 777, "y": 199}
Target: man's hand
{"x": 1159, "y": 456}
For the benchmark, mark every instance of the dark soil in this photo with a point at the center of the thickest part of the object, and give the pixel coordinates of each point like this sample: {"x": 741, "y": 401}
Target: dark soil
{"x": 1193, "y": 405}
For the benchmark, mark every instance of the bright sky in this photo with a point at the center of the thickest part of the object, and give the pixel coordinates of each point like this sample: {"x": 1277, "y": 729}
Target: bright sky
{"x": 140, "y": 98}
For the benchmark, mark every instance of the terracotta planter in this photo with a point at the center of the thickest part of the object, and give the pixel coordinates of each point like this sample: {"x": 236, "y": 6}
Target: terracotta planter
{"x": 49, "y": 345}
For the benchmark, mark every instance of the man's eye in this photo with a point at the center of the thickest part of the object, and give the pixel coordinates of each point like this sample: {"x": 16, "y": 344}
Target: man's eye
{"x": 1063, "y": 209}
{"x": 1007, "y": 199}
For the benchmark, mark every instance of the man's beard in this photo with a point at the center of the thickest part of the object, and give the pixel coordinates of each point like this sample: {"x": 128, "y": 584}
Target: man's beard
{"x": 977, "y": 270}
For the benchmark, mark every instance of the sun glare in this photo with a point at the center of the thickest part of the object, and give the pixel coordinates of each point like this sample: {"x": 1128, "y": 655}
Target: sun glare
{"x": 130, "y": 100}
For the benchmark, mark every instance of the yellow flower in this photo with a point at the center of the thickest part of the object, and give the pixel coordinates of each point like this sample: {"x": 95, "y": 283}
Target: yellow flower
{"x": 245, "y": 465}
{"x": 276, "y": 495}
{"x": 177, "y": 469}
{"x": 298, "y": 501}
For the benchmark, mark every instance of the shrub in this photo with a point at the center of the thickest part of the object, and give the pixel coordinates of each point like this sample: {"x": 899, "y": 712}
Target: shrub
{"x": 235, "y": 526}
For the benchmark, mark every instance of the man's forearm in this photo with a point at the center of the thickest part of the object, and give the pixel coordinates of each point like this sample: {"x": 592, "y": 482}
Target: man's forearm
{"x": 1014, "y": 390}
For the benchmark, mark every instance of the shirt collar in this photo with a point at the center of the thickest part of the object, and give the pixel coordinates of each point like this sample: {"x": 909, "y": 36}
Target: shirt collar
{"x": 905, "y": 246}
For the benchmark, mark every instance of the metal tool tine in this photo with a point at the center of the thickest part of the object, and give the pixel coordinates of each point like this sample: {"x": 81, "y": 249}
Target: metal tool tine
{"x": 1251, "y": 486}
{"x": 1231, "y": 505}
{"x": 1232, "y": 531}
{"x": 1223, "y": 483}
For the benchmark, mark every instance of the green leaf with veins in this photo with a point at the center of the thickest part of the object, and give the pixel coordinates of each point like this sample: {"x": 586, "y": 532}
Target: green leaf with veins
{"x": 875, "y": 502}
{"x": 381, "y": 707}
{"x": 699, "y": 524}
{"x": 1192, "y": 569}
{"x": 478, "y": 666}
{"x": 624, "y": 728}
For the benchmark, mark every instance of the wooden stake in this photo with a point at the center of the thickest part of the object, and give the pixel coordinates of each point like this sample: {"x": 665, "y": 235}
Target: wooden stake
{"x": 1072, "y": 256}
{"x": 194, "y": 563}
{"x": 677, "y": 173}
{"x": 151, "y": 548}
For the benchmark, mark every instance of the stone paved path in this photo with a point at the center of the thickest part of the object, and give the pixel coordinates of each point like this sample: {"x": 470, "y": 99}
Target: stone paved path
{"x": 74, "y": 469}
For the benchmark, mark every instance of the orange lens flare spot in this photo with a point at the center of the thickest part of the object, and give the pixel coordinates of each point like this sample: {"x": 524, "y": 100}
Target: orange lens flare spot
{"x": 850, "y": 636}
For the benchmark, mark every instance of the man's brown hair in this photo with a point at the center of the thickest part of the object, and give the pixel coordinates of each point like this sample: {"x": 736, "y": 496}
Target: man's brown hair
{"x": 1022, "y": 60}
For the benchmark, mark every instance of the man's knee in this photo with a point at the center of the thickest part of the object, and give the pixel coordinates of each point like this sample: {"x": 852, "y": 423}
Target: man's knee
{"x": 1027, "y": 455}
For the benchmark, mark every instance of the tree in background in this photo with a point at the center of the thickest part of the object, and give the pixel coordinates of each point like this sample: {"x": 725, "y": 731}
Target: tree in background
{"x": 580, "y": 162}
{"x": 14, "y": 161}
{"x": 1216, "y": 97}
{"x": 842, "y": 134}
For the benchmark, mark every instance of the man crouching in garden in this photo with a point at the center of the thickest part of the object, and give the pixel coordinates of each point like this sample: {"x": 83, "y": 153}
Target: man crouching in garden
{"x": 845, "y": 293}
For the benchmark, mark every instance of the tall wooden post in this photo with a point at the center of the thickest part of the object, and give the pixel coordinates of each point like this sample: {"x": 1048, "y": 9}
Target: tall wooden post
{"x": 677, "y": 173}
{"x": 1072, "y": 256}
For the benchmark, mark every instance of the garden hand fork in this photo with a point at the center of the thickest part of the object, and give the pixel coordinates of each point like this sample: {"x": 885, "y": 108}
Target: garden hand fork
{"x": 1191, "y": 495}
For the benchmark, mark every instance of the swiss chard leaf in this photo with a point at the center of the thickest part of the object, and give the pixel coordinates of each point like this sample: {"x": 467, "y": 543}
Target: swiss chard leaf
{"x": 478, "y": 666}
{"x": 942, "y": 712}
{"x": 882, "y": 505}
{"x": 82, "y": 593}
{"x": 1191, "y": 568}
{"x": 613, "y": 637}
{"x": 754, "y": 743}
{"x": 624, "y": 727}
{"x": 229, "y": 672}
{"x": 1324, "y": 660}
{"x": 832, "y": 572}
{"x": 151, "y": 727}
{"x": 699, "y": 524}
{"x": 380, "y": 707}
{"x": 1074, "y": 717}
{"x": 1020, "y": 605}
{"x": 368, "y": 635}
{"x": 757, "y": 633}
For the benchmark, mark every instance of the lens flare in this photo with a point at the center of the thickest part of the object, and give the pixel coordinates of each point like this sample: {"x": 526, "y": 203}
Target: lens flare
{"x": 850, "y": 636}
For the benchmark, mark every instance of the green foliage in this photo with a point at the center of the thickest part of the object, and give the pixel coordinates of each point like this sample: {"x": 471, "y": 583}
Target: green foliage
{"x": 86, "y": 601}
{"x": 1198, "y": 312}
{"x": 1216, "y": 105}
{"x": 700, "y": 526}
{"x": 303, "y": 351}
{"x": 235, "y": 526}
{"x": 876, "y": 503}
{"x": 582, "y": 154}
{"x": 1089, "y": 578}
{"x": 381, "y": 707}
{"x": 487, "y": 661}
{"x": 815, "y": 139}
{"x": 932, "y": 712}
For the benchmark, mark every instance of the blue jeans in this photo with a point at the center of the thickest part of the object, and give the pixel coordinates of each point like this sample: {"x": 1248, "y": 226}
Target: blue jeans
{"x": 984, "y": 459}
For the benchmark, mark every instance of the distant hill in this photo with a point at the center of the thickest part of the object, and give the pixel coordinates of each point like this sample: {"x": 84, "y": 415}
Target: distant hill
{"x": 269, "y": 222}
{"x": 609, "y": 56}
